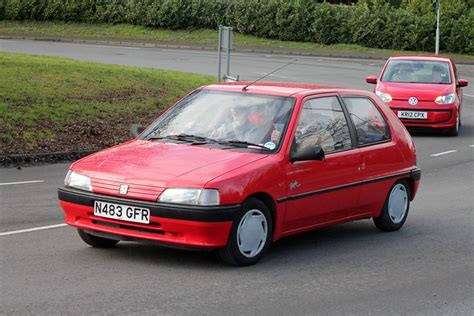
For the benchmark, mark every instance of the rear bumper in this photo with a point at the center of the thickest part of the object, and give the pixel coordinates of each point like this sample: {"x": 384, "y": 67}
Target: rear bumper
{"x": 172, "y": 225}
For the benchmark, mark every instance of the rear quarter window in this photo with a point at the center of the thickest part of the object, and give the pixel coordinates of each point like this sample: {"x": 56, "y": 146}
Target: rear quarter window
{"x": 369, "y": 123}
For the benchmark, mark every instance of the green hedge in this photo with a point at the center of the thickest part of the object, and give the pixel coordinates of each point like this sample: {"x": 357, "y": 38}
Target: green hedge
{"x": 370, "y": 23}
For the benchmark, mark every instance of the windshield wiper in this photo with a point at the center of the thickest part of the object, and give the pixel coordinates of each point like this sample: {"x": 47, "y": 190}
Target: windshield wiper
{"x": 199, "y": 140}
{"x": 241, "y": 144}
{"x": 194, "y": 139}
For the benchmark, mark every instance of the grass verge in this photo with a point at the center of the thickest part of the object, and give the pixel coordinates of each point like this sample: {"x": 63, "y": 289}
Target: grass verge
{"x": 51, "y": 104}
{"x": 128, "y": 32}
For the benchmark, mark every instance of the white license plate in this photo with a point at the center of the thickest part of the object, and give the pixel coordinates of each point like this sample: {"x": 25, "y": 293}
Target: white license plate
{"x": 122, "y": 212}
{"x": 413, "y": 115}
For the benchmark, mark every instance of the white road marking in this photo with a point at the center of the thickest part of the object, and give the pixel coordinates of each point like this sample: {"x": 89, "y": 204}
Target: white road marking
{"x": 14, "y": 232}
{"x": 443, "y": 153}
{"x": 21, "y": 182}
{"x": 469, "y": 95}
{"x": 472, "y": 146}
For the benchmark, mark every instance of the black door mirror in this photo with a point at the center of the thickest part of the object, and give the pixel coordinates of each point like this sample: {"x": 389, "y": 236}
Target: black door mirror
{"x": 307, "y": 153}
{"x": 136, "y": 129}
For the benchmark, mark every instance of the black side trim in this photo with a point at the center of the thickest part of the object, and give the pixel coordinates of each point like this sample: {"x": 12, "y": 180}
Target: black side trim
{"x": 221, "y": 213}
{"x": 412, "y": 174}
{"x": 416, "y": 174}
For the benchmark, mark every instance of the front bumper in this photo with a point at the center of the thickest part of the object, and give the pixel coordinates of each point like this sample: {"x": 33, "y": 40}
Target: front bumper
{"x": 439, "y": 117}
{"x": 174, "y": 225}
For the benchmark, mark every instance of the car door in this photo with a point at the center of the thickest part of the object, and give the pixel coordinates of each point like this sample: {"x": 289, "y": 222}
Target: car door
{"x": 380, "y": 155}
{"x": 322, "y": 191}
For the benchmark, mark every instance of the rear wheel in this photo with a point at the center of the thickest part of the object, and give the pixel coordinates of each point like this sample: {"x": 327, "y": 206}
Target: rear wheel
{"x": 395, "y": 209}
{"x": 250, "y": 234}
{"x": 95, "y": 241}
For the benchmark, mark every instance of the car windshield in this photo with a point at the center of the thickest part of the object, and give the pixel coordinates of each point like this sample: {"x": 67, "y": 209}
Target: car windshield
{"x": 230, "y": 118}
{"x": 417, "y": 71}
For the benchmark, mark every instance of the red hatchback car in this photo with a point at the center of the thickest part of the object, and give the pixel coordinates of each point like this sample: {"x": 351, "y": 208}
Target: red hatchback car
{"x": 234, "y": 167}
{"x": 423, "y": 91}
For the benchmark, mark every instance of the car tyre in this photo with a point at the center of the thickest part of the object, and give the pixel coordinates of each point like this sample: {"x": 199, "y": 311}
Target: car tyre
{"x": 454, "y": 131}
{"x": 95, "y": 241}
{"x": 395, "y": 210}
{"x": 250, "y": 234}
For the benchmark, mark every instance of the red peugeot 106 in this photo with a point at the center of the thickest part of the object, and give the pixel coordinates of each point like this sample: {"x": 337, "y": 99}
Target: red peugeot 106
{"x": 236, "y": 166}
{"x": 423, "y": 91}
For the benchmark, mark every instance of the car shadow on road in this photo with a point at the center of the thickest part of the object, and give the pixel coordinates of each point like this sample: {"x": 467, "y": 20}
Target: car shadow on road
{"x": 319, "y": 246}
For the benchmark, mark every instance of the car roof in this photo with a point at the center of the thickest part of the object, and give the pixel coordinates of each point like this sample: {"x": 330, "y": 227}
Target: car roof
{"x": 288, "y": 89}
{"x": 422, "y": 57}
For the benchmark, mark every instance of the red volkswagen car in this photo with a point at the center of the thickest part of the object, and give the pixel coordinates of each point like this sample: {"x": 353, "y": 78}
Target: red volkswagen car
{"x": 423, "y": 91}
{"x": 236, "y": 166}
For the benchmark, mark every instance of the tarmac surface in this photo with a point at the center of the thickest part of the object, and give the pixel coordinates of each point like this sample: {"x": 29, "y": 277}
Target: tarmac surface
{"x": 425, "y": 268}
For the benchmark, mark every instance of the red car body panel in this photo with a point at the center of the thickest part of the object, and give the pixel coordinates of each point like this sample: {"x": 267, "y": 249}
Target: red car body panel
{"x": 349, "y": 185}
{"x": 439, "y": 116}
{"x": 172, "y": 231}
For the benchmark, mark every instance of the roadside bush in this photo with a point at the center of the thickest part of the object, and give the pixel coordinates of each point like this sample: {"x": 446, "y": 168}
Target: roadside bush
{"x": 329, "y": 24}
{"x": 456, "y": 26}
{"x": 370, "y": 23}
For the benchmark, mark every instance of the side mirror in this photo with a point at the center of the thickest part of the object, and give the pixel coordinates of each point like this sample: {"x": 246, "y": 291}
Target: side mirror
{"x": 307, "y": 153}
{"x": 371, "y": 79}
{"x": 462, "y": 83}
{"x": 136, "y": 129}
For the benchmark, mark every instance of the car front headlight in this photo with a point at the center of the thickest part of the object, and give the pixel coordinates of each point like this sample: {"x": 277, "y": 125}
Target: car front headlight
{"x": 384, "y": 96}
{"x": 208, "y": 197}
{"x": 78, "y": 181}
{"x": 446, "y": 99}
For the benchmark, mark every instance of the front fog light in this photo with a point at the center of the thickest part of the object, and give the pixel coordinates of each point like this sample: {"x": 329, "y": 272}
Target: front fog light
{"x": 207, "y": 197}
{"x": 384, "y": 96}
{"x": 78, "y": 181}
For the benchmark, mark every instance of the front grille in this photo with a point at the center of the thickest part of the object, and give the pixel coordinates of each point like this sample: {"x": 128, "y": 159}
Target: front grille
{"x": 135, "y": 190}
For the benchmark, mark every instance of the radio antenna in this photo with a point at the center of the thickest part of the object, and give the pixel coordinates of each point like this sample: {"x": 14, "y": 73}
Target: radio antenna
{"x": 268, "y": 74}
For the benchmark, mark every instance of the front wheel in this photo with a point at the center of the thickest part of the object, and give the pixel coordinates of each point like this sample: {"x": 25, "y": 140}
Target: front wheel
{"x": 95, "y": 241}
{"x": 395, "y": 209}
{"x": 454, "y": 131}
{"x": 250, "y": 234}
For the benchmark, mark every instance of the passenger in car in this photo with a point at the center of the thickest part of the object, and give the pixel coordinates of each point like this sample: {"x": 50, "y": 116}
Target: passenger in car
{"x": 404, "y": 74}
{"x": 237, "y": 128}
{"x": 262, "y": 125}
{"x": 438, "y": 75}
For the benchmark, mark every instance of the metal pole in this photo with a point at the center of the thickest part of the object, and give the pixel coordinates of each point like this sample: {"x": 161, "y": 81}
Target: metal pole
{"x": 438, "y": 5}
{"x": 229, "y": 43}
{"x": 219, "y": 53}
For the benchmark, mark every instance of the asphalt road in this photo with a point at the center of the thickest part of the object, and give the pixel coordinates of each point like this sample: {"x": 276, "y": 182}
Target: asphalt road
{"x": 426, "y": 268}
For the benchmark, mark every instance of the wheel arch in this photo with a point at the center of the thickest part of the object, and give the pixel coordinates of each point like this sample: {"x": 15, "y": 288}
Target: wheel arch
{"x": 269, "y": 202}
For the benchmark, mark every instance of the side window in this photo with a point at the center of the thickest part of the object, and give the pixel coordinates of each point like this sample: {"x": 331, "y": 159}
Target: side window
{"x": 369, "y": 123}
{"x": 323, "y": 123}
